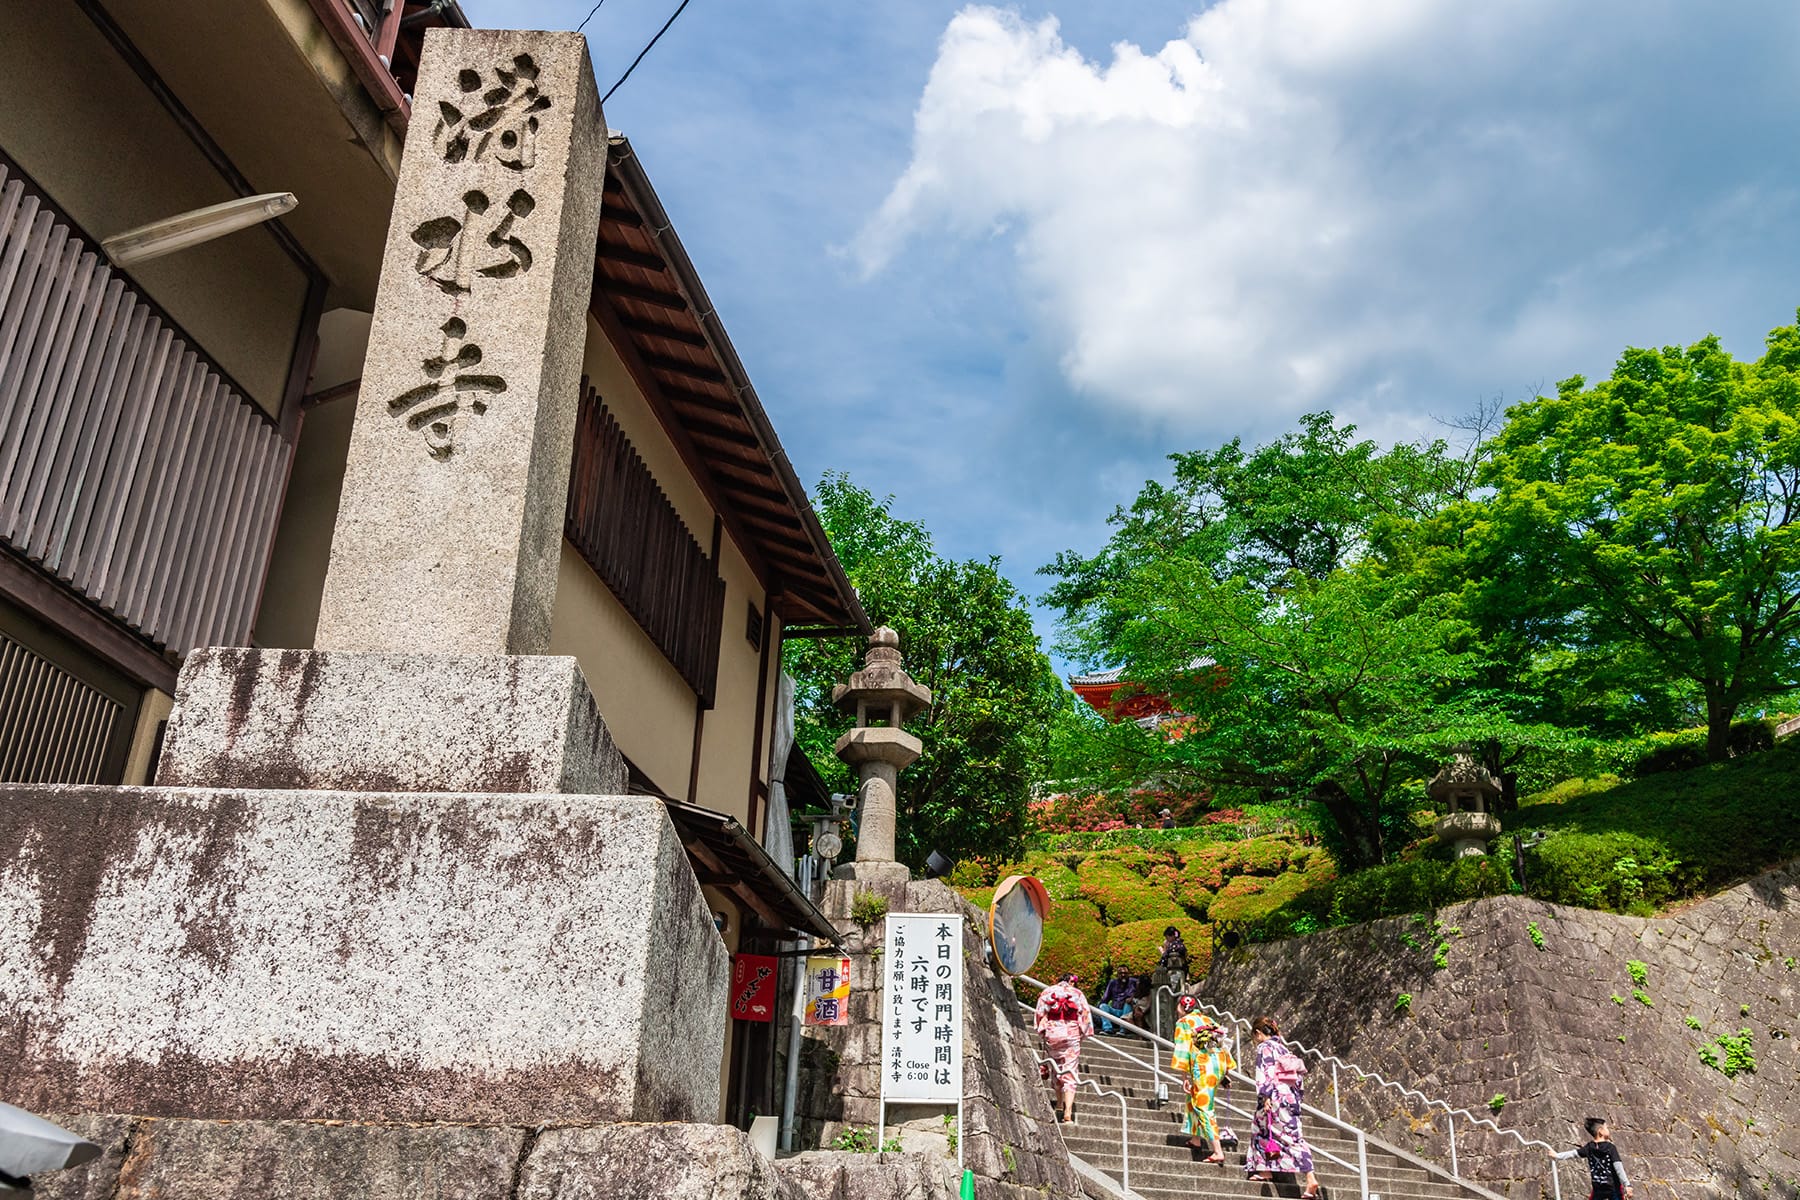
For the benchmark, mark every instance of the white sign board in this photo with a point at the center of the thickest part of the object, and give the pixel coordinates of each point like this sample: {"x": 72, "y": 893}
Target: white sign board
{"x": 921, "y": 1009}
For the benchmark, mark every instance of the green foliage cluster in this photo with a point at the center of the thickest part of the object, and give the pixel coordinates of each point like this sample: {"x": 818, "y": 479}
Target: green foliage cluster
{"x": 1122, "y": 894}
{"x": 1645, "y": 842}
{"x": 1417, "y": 885}
{"x": 1175, "y": 840}
{"x": 1334, "y": 616}
{"x": 867, "y": 907}
{"x": 1730, "y": 1054}
{"x": 1074, "y": 940}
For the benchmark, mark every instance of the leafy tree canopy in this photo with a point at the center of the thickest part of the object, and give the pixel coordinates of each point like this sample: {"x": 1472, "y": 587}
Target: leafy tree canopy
{"x": 967, "y": 635}
{"x": 1248, "y": 593}
{"x": 1655, "y": 515}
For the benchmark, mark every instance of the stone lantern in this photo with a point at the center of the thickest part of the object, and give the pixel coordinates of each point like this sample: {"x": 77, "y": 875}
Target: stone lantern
{"x": 1466, "y": 791}
{"x": 884, "y": 697}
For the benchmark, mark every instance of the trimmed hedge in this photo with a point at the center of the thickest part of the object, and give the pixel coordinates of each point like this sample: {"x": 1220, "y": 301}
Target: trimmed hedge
{"x": 1122, "y": 894}
{"x": 1417, "y": 886}
{"x": 1144, "y": 839}
{"x": 1685, "y": 749}
{"x": 1136, "y": 947}
{"x": 1074, "y": 940}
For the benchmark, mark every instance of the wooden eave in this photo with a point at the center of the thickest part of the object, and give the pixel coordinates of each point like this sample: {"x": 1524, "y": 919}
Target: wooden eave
{"x": 649, "y": 301}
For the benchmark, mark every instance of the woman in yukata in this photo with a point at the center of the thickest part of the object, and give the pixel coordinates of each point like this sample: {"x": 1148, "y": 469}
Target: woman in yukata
{"x": 1276, "y": 1143}
{"x": 1202, "y": 1056}
{"x": 1063, "y": 1020}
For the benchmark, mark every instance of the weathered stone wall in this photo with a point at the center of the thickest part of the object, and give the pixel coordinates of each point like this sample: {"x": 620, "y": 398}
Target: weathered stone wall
{"x": 1559, "y": 1032}
{"x": 153, "y": 1159}
{"x": 1011, "y": 1141}
{"x": 362, "y": 956}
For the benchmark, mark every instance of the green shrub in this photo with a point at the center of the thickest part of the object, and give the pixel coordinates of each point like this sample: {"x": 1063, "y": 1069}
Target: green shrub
{"x": 970, "y": 873}
{"x": 1135, "y": 948}
{"x": 1685, "y": 749}
{"x": 1615, "y": 871}
{"x": 982, "y": 898}
{"x": 1209, "y": 867}
{"x": 1074, "y": 940}
{"x": 1122, "y": 894}
{"x": 866, "y": 908}
{"x": 1264, "y": 856}
{"x": 1572, "y": 789}
{"x": 1145, "y": 839}
{"x": 1418, "y": 886}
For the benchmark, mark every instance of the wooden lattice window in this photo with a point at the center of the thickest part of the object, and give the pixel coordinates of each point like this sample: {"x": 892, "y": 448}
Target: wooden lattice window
{"x": 624, "y": 527}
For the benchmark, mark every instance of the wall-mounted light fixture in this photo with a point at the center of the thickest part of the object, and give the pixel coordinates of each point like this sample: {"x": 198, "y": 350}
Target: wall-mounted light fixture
{"x": 192, "y": 228}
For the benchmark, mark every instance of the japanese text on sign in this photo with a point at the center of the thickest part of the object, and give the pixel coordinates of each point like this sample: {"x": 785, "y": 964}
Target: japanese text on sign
{"x": 827, "y": 990}
{"x": 921, "y": 1008}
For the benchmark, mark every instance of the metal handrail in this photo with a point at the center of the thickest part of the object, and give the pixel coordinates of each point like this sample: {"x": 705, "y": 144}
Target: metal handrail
{"x": 1124, "y": 1119}
{"x": 1361, "y": 1167}
{"x": 1429, "y": 1102}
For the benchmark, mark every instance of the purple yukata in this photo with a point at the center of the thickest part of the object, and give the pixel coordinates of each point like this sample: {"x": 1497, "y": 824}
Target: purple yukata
{"x": 1276, "y": 1143}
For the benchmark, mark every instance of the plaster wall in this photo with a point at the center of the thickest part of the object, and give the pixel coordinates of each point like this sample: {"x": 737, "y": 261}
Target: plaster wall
{"x": 85, "y": 127}
{"x": 289, "y": 614}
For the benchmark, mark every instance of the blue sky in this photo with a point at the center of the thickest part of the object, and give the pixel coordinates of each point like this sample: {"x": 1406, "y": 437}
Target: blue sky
{"x": 1000, "y": 261}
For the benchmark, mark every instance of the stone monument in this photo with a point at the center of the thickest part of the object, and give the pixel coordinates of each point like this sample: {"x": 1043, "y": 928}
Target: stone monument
{"x": 394, "y": 879}
{"x": 1468, "y": 791}
{"x": 884, "y": 698}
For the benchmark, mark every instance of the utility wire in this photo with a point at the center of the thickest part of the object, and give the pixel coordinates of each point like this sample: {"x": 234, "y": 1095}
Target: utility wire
{"x": 590, "y": 16}
{"x": 640, "y": 58}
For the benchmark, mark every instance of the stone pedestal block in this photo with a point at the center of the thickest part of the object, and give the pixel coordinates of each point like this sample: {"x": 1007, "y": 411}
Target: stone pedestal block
{"x": 378, "y": 957}
{"x": 387, "y": 722}
{"x": 450, "y": 523}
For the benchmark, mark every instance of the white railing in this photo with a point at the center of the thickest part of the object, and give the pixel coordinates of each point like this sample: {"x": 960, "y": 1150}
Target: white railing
{"x": 1124, "y": 1119}
{"x": 1429, "y": 1102}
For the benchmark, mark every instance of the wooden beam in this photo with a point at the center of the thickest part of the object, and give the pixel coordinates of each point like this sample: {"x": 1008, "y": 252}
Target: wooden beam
{"x": 673, "y": 333}
{"x": 718, "y": 404}
{"x": 619, "y": 214}
{"x": 644, "y": 295}
{"x": 630, "y": 257}
{"x": 681, "y": 366}
{"x": 29, "y": 589}
{"x": 706, "y": 427}
{"x": 653, "y": 389}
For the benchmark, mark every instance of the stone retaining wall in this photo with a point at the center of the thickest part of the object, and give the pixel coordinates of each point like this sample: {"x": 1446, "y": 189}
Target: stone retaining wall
{"x": 1012, "y": 1143}
{"x": 1560, "y": 1032}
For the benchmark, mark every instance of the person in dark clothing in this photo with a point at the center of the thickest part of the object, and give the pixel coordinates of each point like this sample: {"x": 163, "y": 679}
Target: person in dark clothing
{"x": 1174, "y": 959}
{"x": 1168, "y": 819}
{"x": 1116, "y": 999}
{"x": 1606, "y": 1169}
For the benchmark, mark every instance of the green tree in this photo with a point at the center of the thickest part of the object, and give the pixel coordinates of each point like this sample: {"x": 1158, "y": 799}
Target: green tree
{"x": 1657, "y": 511}
{"x": 967, "y": 635}
{"x": 1248, "y": 592}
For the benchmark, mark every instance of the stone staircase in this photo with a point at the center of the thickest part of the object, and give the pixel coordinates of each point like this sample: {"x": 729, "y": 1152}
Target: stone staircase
{"x": 1164, "y": 1168}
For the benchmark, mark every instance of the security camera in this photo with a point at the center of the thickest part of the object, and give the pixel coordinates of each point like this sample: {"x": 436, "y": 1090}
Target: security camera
{"x": 30, "y": 1145}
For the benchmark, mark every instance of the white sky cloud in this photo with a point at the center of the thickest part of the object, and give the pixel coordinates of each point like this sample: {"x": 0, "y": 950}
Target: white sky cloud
{"x": 1304, "y": 203}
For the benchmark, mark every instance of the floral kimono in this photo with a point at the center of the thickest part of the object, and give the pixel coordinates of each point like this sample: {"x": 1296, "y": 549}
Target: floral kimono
{"x": 1203, "y": 1058}
{"x": 1063, "y": 1019}
{"x": 1275, "y": 1140}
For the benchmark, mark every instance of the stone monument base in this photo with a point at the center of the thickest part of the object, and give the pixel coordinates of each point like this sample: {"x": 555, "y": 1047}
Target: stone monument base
{"x": 330, "y": 719}
{"x": 485, "y": 958}
{"x": 877, "y": 875}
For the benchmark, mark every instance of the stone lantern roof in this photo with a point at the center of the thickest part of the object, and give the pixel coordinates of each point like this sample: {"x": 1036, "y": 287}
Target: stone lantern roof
{"x": 1461, "y": 776}
{"x": 882, "y": 684}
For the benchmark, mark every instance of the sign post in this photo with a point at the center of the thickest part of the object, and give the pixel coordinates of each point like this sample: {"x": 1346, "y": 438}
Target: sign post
{"x": 921, "y": 1015}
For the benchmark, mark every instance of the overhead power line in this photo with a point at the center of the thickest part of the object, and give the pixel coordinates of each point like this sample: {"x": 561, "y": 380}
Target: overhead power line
{"x": 590, "y": 16}
{"x": 640, "y": 58}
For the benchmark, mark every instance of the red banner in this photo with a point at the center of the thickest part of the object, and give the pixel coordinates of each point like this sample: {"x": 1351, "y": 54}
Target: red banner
{"x": 753, "y": 987}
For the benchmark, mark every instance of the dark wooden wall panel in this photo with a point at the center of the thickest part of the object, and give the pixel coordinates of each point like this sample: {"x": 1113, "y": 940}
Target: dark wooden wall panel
{"x": 624, "y": 527}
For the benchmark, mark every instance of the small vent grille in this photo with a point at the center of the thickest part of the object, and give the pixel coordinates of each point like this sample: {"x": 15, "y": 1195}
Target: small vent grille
{"x": 53, "y": 727}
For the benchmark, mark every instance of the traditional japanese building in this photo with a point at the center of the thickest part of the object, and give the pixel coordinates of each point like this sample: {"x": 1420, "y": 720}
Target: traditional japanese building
{"x": 174, "y": 432}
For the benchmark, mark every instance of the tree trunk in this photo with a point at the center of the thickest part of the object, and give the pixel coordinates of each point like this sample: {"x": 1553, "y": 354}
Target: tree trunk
{"x": 1721, "y": 710}
{"x": 1361, "y": 839}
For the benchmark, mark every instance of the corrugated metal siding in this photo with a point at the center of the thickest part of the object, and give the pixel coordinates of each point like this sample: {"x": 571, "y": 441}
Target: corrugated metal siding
{"x": 53, "y": 727}
{"x": 130, "y": 467}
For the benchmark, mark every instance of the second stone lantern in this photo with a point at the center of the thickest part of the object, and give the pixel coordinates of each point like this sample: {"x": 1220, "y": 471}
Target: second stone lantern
{"x": 884, "y": 697}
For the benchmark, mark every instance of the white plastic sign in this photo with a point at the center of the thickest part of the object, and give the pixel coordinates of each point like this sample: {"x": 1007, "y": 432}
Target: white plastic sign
{"x": 921, "y": 1009}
